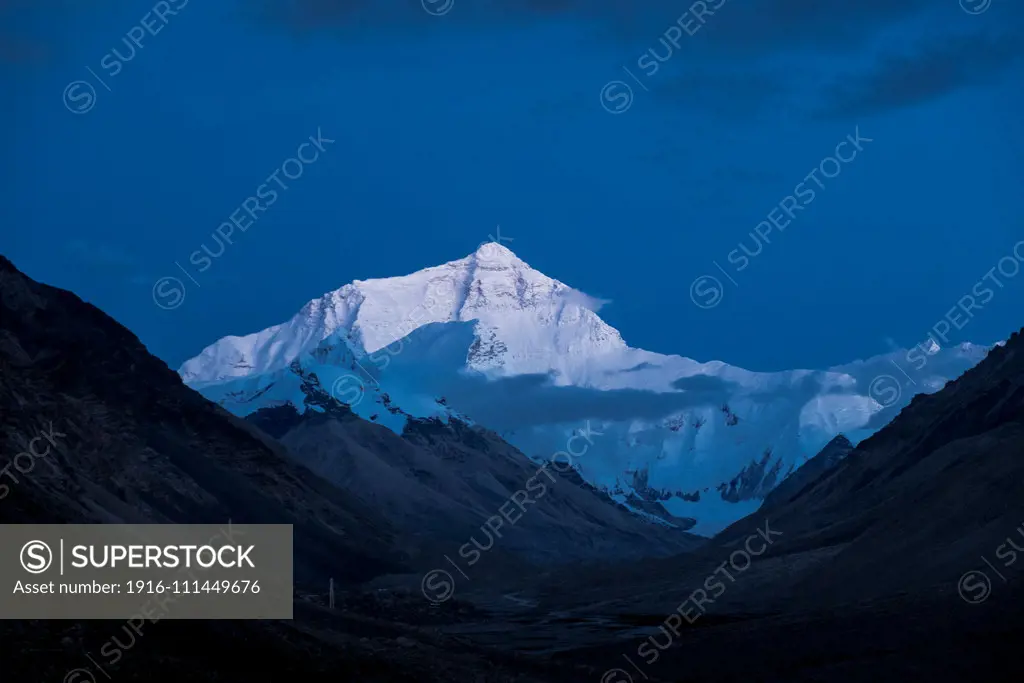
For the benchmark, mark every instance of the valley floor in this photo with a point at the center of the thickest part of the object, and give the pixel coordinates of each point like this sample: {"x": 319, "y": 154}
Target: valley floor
{"x": 934, "y": 638}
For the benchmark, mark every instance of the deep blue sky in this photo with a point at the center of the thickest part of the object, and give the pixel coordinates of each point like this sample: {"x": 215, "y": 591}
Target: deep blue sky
{"x": 447, "y": 126}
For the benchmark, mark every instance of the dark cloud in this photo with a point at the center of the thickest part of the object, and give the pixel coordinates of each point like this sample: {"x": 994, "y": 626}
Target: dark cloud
{"x": 740, "y": 24}
{"x": 313, "y": 13}
{"x": 748, "y": 58}
{"x": 936, "y": 68}
{"x": 527, "y": 400}
{"x": 821, "y": 24}
{"x": 706, "y": 384}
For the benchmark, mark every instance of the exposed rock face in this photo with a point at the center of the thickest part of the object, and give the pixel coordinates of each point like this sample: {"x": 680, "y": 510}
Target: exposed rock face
{"x": 754, "y": 481}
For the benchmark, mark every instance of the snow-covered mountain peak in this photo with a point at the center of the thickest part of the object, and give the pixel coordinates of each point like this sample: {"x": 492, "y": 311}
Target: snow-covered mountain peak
{"x": 527, "y": 321}
{"x": 496, "y": 255}
{"x": 705, "y": 440}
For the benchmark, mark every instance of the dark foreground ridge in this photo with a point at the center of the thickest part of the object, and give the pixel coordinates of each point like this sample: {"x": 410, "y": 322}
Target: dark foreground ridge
{"x": 850, "y": 572}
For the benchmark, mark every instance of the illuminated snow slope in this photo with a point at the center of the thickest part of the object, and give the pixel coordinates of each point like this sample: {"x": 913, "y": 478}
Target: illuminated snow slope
{"x": 488, "y": 339}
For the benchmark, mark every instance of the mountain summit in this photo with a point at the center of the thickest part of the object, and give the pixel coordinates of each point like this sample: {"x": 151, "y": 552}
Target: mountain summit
{"x": 527, "y": 322}
{"x": 490, "y": 340}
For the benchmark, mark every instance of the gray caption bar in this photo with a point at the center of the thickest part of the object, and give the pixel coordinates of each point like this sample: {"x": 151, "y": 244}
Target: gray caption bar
{"x": 165, "y": 571}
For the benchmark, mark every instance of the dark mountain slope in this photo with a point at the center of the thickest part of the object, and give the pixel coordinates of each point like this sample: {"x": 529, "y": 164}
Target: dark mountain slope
{"x": 834, "y": 452}
{"x": 899, "y": 563}
{"x": 920, "y": 502}
{"x": 439, "y": 484}
{"x": 136, "y": 445}
{"x": 908, "y": 510}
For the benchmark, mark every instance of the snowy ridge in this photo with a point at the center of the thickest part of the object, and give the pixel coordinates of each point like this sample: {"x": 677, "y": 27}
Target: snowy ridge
{"x": 526, "y": 355}
{"x": 331, "y": 371}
